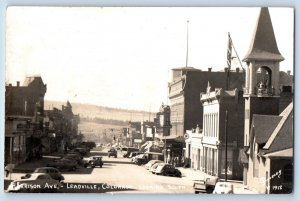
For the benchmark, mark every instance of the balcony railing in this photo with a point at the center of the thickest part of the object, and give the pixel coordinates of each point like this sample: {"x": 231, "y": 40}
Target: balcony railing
{"x": 261, "y": 91}
{"x": 264, "y": 91}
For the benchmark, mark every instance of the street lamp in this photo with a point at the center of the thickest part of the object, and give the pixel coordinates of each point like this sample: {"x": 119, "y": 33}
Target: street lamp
{"x": 226, "y": 121}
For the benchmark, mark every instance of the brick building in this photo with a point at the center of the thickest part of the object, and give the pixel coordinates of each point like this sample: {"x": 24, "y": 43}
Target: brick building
{"x": 24, "y": 110}
{"x": 184, "y": 93}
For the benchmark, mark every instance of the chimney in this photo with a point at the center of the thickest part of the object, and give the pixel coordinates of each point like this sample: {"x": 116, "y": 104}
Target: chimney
{"x": 10, "y": 85}
{"x": 18, "y": 83}
{"x": 289, "y": 72}
{"x": 209, "y": 69}
{"x": 237, "y": 70}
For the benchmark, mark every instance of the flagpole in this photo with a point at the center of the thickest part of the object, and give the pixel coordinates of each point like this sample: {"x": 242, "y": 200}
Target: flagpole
{"x": 187, "y": 43}
{"x": 235, "y": 51}
{"x": 229, "y": 56}
{"x": 237, "y": 55}
{"x": 226, "y": 163}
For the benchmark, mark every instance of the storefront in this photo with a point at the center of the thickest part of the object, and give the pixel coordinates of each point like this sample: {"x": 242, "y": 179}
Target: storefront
{"x": 173, "y": 150}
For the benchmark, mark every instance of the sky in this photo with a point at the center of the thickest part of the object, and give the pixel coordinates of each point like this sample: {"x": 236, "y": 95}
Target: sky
{"x": 122, "y": 57}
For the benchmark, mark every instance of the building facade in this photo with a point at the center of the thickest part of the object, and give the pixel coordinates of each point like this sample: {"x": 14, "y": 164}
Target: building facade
{"x": 223, "y": 111}
{"x": 270, "y": 153}
{"x": 24, "y": 121}
{"x": 268, "y": 134}
{"x": 184, "y": 94}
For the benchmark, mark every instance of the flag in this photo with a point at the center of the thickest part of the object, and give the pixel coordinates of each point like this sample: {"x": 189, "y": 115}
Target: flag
{"x": 229, "y": 51}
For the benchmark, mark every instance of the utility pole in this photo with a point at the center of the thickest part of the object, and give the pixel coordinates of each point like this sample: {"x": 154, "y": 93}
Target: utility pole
{"x": 226, "y": 121}
{"x": 187, "y": 44}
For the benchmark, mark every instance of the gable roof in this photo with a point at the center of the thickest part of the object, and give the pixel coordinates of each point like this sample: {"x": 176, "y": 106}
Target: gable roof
{"x": 263, "y": 126}
{"x": 263, "y": 45}
{"x": 282, "y": 130}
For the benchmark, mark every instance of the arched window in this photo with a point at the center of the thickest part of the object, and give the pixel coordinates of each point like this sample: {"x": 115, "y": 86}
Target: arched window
{"x": 264, "y": 84}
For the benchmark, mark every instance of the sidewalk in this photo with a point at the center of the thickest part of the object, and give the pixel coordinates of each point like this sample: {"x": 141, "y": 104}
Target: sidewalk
{"x": 192, "y": 175}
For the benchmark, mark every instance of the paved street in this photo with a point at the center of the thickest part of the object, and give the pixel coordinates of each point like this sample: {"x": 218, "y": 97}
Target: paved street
{"x": 119, "y": 175}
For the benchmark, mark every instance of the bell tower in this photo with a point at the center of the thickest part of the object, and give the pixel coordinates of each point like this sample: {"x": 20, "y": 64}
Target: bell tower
{"x": 262, "y": 90}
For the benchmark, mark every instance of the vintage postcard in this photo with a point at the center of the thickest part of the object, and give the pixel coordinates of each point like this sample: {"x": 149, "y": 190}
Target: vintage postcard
{"x": 149, "y": 100}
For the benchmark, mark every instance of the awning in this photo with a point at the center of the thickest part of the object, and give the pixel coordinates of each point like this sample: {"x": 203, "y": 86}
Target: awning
{"x": 175, "y": 138}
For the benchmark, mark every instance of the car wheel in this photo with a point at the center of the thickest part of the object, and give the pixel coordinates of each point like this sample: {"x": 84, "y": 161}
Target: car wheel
{"x": 210, "y": 190}
{"x": 196, "y": 192}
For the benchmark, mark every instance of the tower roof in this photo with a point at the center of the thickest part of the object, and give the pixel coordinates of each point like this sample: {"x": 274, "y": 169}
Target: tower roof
{"x": 263, "y": 45}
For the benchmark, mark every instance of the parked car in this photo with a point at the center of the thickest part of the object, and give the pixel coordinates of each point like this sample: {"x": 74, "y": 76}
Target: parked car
{"x": 141, "y": 159}
{"x": 167, "y": 170}
{"x": 63, "y": 164}
{"x": 76, "y": 157}
{"x": 223, "y": 188}
{"x": 152, "y": 162}
{"x": 135, "y": 153}
{"x": 75, "y": 154}
{"x": 112, "y": 152}
{"x": 129, "y": 150}
{"x": 205, "y": 185}
{"x": 153, "y": 167}
{"x": 37, "y": 182}
{"x": 94, "y": 161}
{"x": 53, "y": 172}
{"x": 81, "y": 150}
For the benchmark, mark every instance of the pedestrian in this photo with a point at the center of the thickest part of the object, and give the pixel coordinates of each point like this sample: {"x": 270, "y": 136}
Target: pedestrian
{"x": 8, "y": 169}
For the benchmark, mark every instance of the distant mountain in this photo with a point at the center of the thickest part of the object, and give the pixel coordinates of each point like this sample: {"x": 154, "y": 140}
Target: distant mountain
{"x": 90, "y": 111}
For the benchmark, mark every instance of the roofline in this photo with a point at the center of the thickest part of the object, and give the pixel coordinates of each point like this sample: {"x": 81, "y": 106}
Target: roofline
{"x": 273, "y": 154}
{"x": 285, "y": 116}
